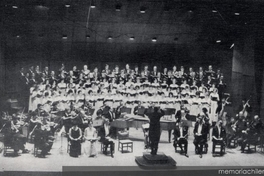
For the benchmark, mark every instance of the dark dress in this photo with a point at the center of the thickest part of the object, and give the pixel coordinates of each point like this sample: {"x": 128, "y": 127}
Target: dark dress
{"x": 75, "y": 149}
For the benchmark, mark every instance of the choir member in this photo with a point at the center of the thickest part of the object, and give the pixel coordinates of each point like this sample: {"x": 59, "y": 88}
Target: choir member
{"x": 85, "y": 72}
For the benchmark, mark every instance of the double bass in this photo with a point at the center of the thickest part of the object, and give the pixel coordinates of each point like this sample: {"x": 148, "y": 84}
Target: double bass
{"x": 244, "y": 110}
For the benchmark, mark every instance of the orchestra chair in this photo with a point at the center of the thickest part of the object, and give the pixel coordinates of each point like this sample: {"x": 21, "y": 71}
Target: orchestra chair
{"x": 8, "y": 144}
{"x": 36, "y": 149}
{"x": 177, "y": 147}
{"x": 218, "y": 147}
{"x": 108, "y": 148}
{"x": 205, "y": 148}
{"x": 252, "y": 144}
{"x": 123, "y": 142}
{"x": 233, "y": 143}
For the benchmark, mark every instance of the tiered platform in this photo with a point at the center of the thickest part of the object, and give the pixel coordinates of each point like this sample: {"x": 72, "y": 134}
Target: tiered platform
{"x": 159, "y": 160}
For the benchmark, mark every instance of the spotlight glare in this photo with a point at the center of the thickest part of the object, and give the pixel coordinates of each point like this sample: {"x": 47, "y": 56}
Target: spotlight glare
{"x": 154, "y": 39}
{"x": 118, "y": 7}
{"x": 142, "y": 9}
{"x": 132, "y": 38}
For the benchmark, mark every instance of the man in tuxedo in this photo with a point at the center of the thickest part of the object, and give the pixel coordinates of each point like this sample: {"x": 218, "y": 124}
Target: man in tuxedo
{"x": 154, "y": 114}
{"x": 180, "y": 137}
{"x": 200, "y": 135}
{"x": 219, "y": 136}
{"x": 182, "y": 115}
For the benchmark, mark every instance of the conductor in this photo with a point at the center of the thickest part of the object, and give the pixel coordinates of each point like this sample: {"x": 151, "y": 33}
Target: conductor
{"x": 154, "y": 114}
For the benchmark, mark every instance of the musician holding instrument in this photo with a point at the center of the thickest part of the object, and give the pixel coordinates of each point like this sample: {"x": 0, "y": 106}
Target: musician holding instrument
{"x": 42, "y": 138}
{"x": 180, "y": 137}
{"x": 13, "y": 136}
{"x": 200, "y": 135}
{"x": 245, "y": 107}
{"x": 248, "y": 136}
{"x": 230, "y": 131}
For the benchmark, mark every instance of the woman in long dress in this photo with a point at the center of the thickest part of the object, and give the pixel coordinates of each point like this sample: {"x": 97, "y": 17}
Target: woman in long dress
{"x": 90, "y": 136}
{"x": 75, "y": 136}
{"x": 214, "y": 103}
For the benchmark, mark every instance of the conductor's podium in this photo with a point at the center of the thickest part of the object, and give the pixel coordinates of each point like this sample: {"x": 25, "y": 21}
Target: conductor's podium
{"x": 148, "y": 160}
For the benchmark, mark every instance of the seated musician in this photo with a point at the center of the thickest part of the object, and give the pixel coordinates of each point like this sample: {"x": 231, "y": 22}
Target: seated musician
{"x": 200, "y": 136}
{"x": 230, "y": 131}
{"x": 12, "y": 136}
{"x": 249, "y": 136}
{"x": 104, "y": 134}
{"x": 42, "y": 139}
{"x": 257, "y": 124}
{"x": 90, "y": 135}
{"x": 182, "y": 115}
{"x": 180, "y": 137}
{"x": 138, "y": 109}
{"x": 219, "y": 135}
{"x": 67, "y": 120}
{"x": 75, "y": 137}
{"x": 32, "y": 123}
{"x": 118, "y": 111}
{"x": 239, "y": 126}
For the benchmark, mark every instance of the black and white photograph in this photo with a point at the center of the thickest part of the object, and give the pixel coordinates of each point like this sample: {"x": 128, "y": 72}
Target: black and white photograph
{"x": 132, "y": 86}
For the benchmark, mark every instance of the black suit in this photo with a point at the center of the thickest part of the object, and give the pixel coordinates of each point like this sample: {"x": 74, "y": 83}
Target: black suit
{"x": 154, "y": 115}
{"x": 199, "y": 141}
{"x": 181, "y": 141}
{"x": 105, "y": 141}
{"x": 218, "y": 135}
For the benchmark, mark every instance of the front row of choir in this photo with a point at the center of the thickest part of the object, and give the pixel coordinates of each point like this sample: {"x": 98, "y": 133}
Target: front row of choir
{"x": 239, "y": 130}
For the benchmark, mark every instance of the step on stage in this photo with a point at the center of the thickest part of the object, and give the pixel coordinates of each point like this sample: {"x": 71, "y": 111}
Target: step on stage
{"x": 158, "y": 161}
